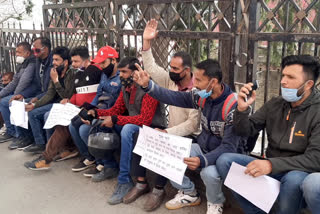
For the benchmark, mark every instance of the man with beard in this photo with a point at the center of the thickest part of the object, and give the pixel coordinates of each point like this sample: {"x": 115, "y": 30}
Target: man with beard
{"x": 61, "y": 86}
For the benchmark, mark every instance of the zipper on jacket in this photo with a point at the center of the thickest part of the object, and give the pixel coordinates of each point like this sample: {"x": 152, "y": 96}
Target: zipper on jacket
{"x": 292, "y": 131}
{"x": 288, "y": 115}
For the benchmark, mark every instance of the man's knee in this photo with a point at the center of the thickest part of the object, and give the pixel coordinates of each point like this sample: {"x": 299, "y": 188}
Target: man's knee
{"x": 210, "y": 174}
{"x": 128, "y": 130}
{"x": 293, "y": 179}
{"x": 310, "y": 185}
{"x": 223, "y": 163}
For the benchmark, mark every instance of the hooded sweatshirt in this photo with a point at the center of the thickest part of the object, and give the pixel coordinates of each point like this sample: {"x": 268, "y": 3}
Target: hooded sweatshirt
{"x": 293, "y": 133}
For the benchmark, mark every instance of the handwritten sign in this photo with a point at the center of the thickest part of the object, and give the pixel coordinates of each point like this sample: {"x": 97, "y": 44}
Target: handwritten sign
{"x": 61, "y": 114}
{"x": 163, "y": 153}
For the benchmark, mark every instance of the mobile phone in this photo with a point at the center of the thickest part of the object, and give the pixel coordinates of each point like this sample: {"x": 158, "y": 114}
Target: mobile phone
{"x": 254, "y": 87}
{"x": 84, "y": 115}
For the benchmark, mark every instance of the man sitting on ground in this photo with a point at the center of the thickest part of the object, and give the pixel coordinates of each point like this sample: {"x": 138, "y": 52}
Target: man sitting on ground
{"x": 292, "y": 123}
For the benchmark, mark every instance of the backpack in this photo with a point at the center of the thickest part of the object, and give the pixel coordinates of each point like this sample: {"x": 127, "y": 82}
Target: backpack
{"x": 227, "y": 105}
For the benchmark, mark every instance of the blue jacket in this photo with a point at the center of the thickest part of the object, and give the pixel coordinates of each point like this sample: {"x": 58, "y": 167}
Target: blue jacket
{"x": 24, "y": 81}
{"x": 210, "y": 140}
{"x": 46, "y": 76}
{"x": 109, "y": 87}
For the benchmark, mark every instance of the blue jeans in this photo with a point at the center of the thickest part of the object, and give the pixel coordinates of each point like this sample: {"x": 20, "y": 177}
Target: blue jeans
{"x": 210, "y": 178}
{"x": 126, "y": 133}
{"x": 80, "y": 138}
{"x": 36, "y": 120}
{"x": 311, "y": 191}
{"x": 4, "y": 108}
{"x": 49, "y": 132}
{"x": 290, "y": 199}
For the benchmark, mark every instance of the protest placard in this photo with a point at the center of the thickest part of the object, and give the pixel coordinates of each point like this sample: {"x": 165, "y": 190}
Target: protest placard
{"x": 18, "y": 115}
{"x": 163, "y": 153}
{"x": 61, "y": 114}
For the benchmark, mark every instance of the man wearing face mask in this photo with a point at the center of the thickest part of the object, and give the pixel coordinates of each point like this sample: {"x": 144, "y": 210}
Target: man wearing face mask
{"x": 61, "y": 86}
{"x": 24, "y": 79}
{"x": 292, "y": 123}
{"x": 216, "y": 102}
{"x": 108, "y": 91}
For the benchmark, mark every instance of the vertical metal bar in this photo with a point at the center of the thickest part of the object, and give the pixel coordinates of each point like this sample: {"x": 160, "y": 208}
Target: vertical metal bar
{"x": 299, "y": 48}
{"x": 266, "y": 88}
{"x": 92, "y": 45}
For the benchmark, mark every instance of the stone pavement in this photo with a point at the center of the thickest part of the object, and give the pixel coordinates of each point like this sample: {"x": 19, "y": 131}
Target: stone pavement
{"x": 61, "y": 191}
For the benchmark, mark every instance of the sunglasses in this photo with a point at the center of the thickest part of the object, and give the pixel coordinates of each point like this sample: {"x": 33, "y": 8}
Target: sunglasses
{"x": 37, "y": 50}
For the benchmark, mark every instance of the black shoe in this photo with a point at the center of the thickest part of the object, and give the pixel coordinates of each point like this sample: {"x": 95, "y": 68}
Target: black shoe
{"x": 24, "y": 143}
{"x": 35, "y": 148}
{"x": 6, "y": 137}
{"x": 90, "y": 172}
{"x": 15, "y": 143}
{"x": 82, "y": 165}
{"x": 38, "y": 164}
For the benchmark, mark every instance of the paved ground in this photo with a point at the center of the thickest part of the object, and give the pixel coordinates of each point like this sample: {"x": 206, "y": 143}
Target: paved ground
{"x": 61, "y": 191}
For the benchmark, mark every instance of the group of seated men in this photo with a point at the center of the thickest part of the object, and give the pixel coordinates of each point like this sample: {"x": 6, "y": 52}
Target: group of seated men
{"x": 121, "y": 97}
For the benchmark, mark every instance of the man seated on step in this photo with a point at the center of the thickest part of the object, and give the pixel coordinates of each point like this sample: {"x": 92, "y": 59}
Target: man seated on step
{"x": 292, "y": 123}
{"x": 108, "y": 91}
{"x": 61, "y": 86}
{"x": 141, "y": 110}
{"x": 23, "y": 81}
{"x": 217, "y": 102}
{"x": 182, "y": 121}
{"x": 87, "y": 78}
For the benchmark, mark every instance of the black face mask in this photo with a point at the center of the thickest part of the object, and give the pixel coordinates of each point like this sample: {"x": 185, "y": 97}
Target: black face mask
{"x": 59, "y": 69}
{"x": 126, "y": 82}
{"x": 108, "y": 70}
{"x": 175, "y": 76}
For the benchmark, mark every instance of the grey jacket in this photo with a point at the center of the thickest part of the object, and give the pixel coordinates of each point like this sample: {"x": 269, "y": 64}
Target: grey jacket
{"x": 22, "y": 79}
{"x": 293, "y": 133}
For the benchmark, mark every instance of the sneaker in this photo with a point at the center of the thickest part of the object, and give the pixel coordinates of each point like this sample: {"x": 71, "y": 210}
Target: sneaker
{"x": 5, "y": 137}
{"x": 105, "y": 173}
{"x": 138, "y": 190}
{"x": 183, "y": 200}
{"x": 3, "y": 130}
{"x": 82, "y": 165}
{"x": 24, "y": 143}
{"x": 15, "y": 143}
{"x": 35, "y": 148}
{"x": 154, "y": 199}
{"x": 65, "y": 155}
{"x": 120, "y": 191}
{"x": 38, "y": 164}
{"x": 93, "y": 171}
{"x": 214, "y": 208}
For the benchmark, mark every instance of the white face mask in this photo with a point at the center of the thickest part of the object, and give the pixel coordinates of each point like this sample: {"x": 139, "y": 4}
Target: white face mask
{"x": 20, "y": 59}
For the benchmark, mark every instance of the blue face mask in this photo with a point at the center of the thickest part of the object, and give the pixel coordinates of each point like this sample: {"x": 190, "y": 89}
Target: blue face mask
{"x": 291, "y": 94}
{"x": 204, "y": 93}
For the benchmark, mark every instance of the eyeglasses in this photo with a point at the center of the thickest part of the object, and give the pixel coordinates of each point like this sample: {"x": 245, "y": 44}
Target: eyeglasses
{"x": 37, "y": 50}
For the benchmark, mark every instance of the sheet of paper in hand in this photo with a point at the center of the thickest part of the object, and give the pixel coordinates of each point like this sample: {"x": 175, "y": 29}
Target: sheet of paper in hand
{"x": 61, "y": 114}
{"x": 18, "y": 116}
{"x": 163, "y": 153}
{"x": 262, "y": 191}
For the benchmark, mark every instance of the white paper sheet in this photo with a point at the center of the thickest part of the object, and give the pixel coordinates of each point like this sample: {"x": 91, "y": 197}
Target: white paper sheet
{"x": 163, "y": 153}
{"x": 18, "y": 115}
{"x": 261, "y": 191}
{"x": 61, "y": 114}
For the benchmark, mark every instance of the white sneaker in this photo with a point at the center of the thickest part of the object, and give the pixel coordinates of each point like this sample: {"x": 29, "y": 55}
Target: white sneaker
{"x": 183, "y": 200}
{"x": 3, "y": 130}
{"x": 214, "y": 208}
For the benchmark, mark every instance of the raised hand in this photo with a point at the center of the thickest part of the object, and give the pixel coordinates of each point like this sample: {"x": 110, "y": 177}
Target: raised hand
{"x": 150, "y": 32}
{"x": 243, "y": 101}
{"x": 141, "y": 77}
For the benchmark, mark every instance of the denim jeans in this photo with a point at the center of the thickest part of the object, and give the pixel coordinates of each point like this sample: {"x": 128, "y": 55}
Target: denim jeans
{"x": 36, "y": 119}
{"x": 127, "y": 133}
{"x": 290, "y": 199}
{"x": 311, "y": 191}
{"x": 80, "y": 138}
{"x": 4, "y": 108}
{"x": 210, "y": 178}
{"x": 49, "y": 132}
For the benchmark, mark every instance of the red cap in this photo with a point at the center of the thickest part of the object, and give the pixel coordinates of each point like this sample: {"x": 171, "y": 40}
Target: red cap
{"x": 105, "y": 53}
